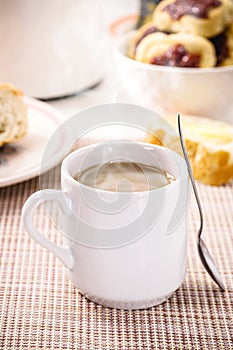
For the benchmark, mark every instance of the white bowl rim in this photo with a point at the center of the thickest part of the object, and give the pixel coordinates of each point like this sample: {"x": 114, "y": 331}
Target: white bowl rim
{"x": 123, "y": 41}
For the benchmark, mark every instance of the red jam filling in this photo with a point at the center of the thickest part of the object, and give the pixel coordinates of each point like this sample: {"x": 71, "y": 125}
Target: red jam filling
{"x": 177, "y": 56}
{"x": 196, "y": 8}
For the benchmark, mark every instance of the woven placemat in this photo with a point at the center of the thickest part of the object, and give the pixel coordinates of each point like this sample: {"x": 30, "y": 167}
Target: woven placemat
{"x": 41, "y": 309}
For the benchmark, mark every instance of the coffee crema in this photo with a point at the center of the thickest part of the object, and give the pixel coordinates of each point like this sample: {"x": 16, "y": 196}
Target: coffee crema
{"x": 124, "y": 177}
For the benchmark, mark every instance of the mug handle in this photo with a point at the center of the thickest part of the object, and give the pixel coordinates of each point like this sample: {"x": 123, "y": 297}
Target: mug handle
{"x": 31, "y": 204}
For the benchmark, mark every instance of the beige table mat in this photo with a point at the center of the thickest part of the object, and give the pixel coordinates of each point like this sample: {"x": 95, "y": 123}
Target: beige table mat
{"x": 40, "y": 309}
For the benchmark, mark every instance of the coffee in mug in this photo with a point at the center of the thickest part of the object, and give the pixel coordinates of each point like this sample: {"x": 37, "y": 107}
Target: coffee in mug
{"x": 118, "y": 176}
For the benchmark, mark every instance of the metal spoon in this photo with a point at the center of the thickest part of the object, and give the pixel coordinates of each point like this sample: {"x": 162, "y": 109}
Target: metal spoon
{"x": 204, "y": 254}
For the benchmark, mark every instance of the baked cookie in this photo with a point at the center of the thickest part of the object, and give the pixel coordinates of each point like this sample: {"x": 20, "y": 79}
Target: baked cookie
{"x": 205, "y": 18}
{"x": 176, "y": 50}
{"x": 13, "y": 114}
{"x": 140, "y": 34}
{"x": 209, "y": 145}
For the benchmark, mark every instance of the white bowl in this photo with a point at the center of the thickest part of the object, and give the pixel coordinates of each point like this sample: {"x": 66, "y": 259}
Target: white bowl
{"x": 195, "y": 91}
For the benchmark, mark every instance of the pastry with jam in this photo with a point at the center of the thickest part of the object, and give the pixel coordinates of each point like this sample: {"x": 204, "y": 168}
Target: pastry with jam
{"x": 206, "y": 18}
{"x": 139, "y": 35}
{"x": 176, "y": 50}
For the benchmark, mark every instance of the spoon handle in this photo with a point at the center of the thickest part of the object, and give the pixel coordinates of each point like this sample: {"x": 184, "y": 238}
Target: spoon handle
{"x": 204, "y": 254}
{"x": 191, "y": 177}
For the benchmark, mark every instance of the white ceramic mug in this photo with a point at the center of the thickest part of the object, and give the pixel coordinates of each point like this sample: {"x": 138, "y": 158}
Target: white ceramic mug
{"x": 123, "y": 249}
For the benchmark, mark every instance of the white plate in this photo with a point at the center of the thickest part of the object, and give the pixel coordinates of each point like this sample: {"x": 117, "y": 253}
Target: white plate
{"x": 21, "y": 161}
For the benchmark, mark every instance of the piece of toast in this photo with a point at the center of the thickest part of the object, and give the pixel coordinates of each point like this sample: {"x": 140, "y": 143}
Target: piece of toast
{"x": 13, "y": 114}
{"x": 209, "y": 145}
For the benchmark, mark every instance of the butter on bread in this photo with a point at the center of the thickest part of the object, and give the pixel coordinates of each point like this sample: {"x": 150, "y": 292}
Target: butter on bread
{"x": 209, "y": 145}
{"x": 13, "y": 114}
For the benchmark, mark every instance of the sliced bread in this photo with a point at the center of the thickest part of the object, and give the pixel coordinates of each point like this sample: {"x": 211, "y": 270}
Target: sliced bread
{"x": 13, "y": 114}
{"x": 209, "y": 145}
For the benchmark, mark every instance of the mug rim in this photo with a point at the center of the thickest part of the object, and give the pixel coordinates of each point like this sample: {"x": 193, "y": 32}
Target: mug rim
{"x": 178, "y": 161}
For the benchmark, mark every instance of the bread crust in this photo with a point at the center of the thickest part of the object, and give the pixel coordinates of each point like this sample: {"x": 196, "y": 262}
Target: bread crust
{"x": 11, "y": 88}
{"x": 209, "y": 145}
{"x": 13, "y": 114}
